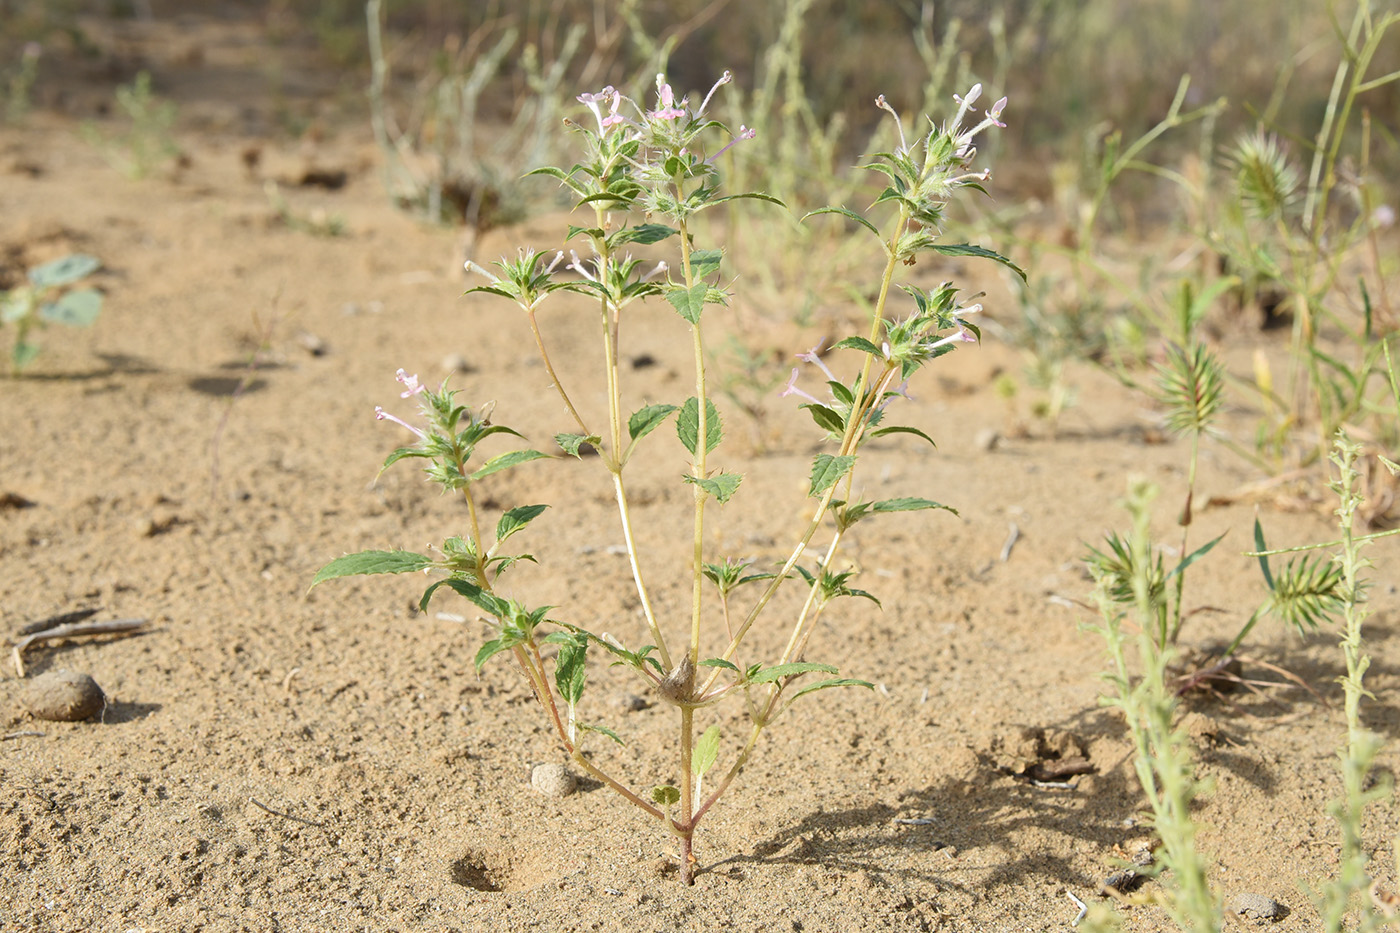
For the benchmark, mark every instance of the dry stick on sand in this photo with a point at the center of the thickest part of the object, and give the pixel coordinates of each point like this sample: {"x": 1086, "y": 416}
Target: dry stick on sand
{"x": 73, "y": 630}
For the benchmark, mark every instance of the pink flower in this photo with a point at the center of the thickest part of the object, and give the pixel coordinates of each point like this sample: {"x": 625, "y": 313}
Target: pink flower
{"x": 792, "y": 389}
{"x": 667, "y": 98}
{"x": 413, "y": 386}
{"x": 381, "y": 415}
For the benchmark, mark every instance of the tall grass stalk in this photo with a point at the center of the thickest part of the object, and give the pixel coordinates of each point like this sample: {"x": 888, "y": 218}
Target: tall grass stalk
{"x": 1352, "y": 886}
{"x": 1162, "y": 754}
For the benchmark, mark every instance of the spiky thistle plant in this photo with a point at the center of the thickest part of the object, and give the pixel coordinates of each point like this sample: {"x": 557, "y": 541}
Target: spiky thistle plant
{"x": 1266, "y": 183}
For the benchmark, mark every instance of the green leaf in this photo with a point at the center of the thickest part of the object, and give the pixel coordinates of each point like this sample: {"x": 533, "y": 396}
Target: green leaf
{"x": 908, "y": 504}
{"x": 507, "y": 460}
{"x": 1195, "y": 555}
{"x": 703, "y": 755}
{"x": 23, "y": 354}
{"x": 771, "y": 674}
{"x": 573, "y": 231}
{"x": 493, "y": 647}
{"x": 721, "y": 485}
{"x": 571, "y": 443}
{"x": 516, "y": 519}
{"x": 751, "y": 196}
{"x": 65, "y": 270}
{"x": 647, "y": 419}
{"x": 705, "y": 262}
{"x": 370, "y": 562}
{"x": 902, "y": 429}
{"x": 852, "y": 591}
{"x": 401, "y": 453}
{"x": 689, "y": 302}
{"x": 688, "y": 425}
{"x": 826, "y": 470}
{"x": 570, "y": 669}
{"x": 665, "y": 795}
{"x": 859, "y": 343}
{"x": 824, "y": 684}
{"x": 75, "y": 309}
{"x": 1259, "y": 545}
{"x": 826, "y": 418}
{"x": 643, "y": 233}
{"x": 844, "y": 212}
{"x": 602, "y": 730}
{"x": 720, "y": 662}
{"x": 493, "y": 605}
{"x": 967, "y": 249}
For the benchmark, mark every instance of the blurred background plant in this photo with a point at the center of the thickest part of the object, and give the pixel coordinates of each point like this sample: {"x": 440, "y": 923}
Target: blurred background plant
{"x": 143, "y": 141}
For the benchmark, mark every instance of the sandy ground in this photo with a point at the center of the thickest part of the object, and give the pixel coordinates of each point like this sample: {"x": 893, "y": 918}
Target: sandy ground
{"x": 271, "y": 759}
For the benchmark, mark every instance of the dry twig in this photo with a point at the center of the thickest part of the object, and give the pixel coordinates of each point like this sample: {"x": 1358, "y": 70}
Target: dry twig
{"x": 73, "y": 630}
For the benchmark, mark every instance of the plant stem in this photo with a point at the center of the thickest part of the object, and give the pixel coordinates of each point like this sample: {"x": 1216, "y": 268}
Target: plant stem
{"x": 553, "y": 378}
{"x": 687, "y": 823}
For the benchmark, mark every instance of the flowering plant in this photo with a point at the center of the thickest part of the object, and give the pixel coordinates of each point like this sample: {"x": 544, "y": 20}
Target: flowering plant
{"x": 640, "y": 167}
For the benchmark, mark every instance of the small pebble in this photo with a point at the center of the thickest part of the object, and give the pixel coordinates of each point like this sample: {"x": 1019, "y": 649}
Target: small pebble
{"x": 987, "y": 439}
{"x": 553, "y": 780}
{"x": 64, "y": 696}
{"x": 455, "y": 363}
{"x": 1257, "y": 907}
{"x": 631, "y": 703}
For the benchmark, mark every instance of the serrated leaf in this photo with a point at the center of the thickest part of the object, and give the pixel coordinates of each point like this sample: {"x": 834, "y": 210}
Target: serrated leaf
{"x": 706, "y": 750}
{"x": 665, "y": 795}
{"x": 721, "y": 485}
{"x": 75, "y": 309}
{"x": 967, "y": 249}
{"x": 689, "y": 302}
{"x": 751, "y": 196}
{"x": 688, "y": 425}
{"x": 720, "y": 662}
{"x": 844, "y": 212}
{"x": 705, "y": 262}
{"x": 643, "y": 233}
{"x": 571, "y": 443}
{"x": 902, "y": 429}
{"x": 838, "y": 682}
{"x": 769, "y": 675}
{"x": 507, "y": 460}
{"x": 827, "y": 469}
{"x": 516, "y": 519}
{"x": 371, "y": 562}
{"x": 493, "y": 605}
{"x": 570, "y": 669}
{"x": 858, "y": 343}
{"x": 65, "y": 270}
{"x": 909, "y": 504}
{"x": 647, "y": 419}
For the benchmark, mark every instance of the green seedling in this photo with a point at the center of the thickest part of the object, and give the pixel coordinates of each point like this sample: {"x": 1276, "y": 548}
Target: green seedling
{"x": 47, "y": 299}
